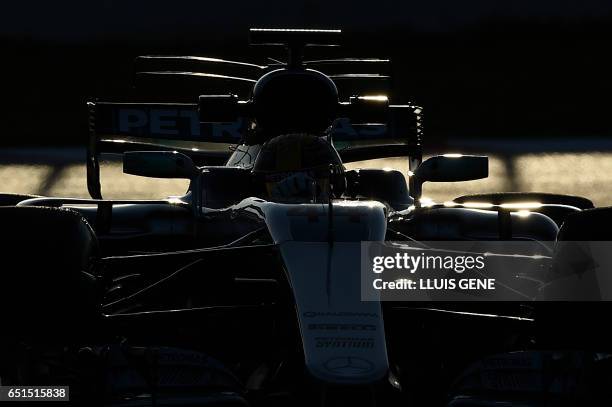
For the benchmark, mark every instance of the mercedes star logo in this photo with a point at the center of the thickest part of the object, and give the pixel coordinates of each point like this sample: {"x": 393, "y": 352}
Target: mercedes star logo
{"x": 349, "y": 366}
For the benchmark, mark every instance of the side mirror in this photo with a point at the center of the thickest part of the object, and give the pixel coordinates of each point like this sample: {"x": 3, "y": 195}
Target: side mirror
{"x": 448, "y": 168}
{"x": 159, "y": 164}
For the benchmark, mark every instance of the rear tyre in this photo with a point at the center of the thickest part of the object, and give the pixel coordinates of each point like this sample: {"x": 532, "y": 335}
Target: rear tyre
{"x": 574, "y": 301}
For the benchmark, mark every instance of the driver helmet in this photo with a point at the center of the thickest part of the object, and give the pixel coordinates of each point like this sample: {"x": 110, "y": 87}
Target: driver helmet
{"x": 300, "y": 167}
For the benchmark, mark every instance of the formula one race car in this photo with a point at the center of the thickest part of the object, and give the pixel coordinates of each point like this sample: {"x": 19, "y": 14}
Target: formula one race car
{"x": 247, "y": 290}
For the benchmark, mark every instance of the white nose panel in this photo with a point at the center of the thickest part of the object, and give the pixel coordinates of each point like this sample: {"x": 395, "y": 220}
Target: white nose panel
{"x": 343, "y": 337}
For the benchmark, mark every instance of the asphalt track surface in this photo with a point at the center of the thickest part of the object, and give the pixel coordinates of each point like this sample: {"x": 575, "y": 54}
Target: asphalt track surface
{"x": 578, "y": 167}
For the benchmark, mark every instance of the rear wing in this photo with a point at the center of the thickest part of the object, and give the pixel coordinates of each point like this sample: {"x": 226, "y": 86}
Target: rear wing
{"x": 367, "y": 127}
{"x": 117, "y": 127}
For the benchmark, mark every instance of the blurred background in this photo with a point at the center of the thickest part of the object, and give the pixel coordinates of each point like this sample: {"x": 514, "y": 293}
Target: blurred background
{"x": 527, "y": 82}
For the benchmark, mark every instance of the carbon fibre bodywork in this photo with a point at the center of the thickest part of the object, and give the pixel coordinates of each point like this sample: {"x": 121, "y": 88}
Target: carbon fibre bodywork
{"x": 228, "y": 296}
